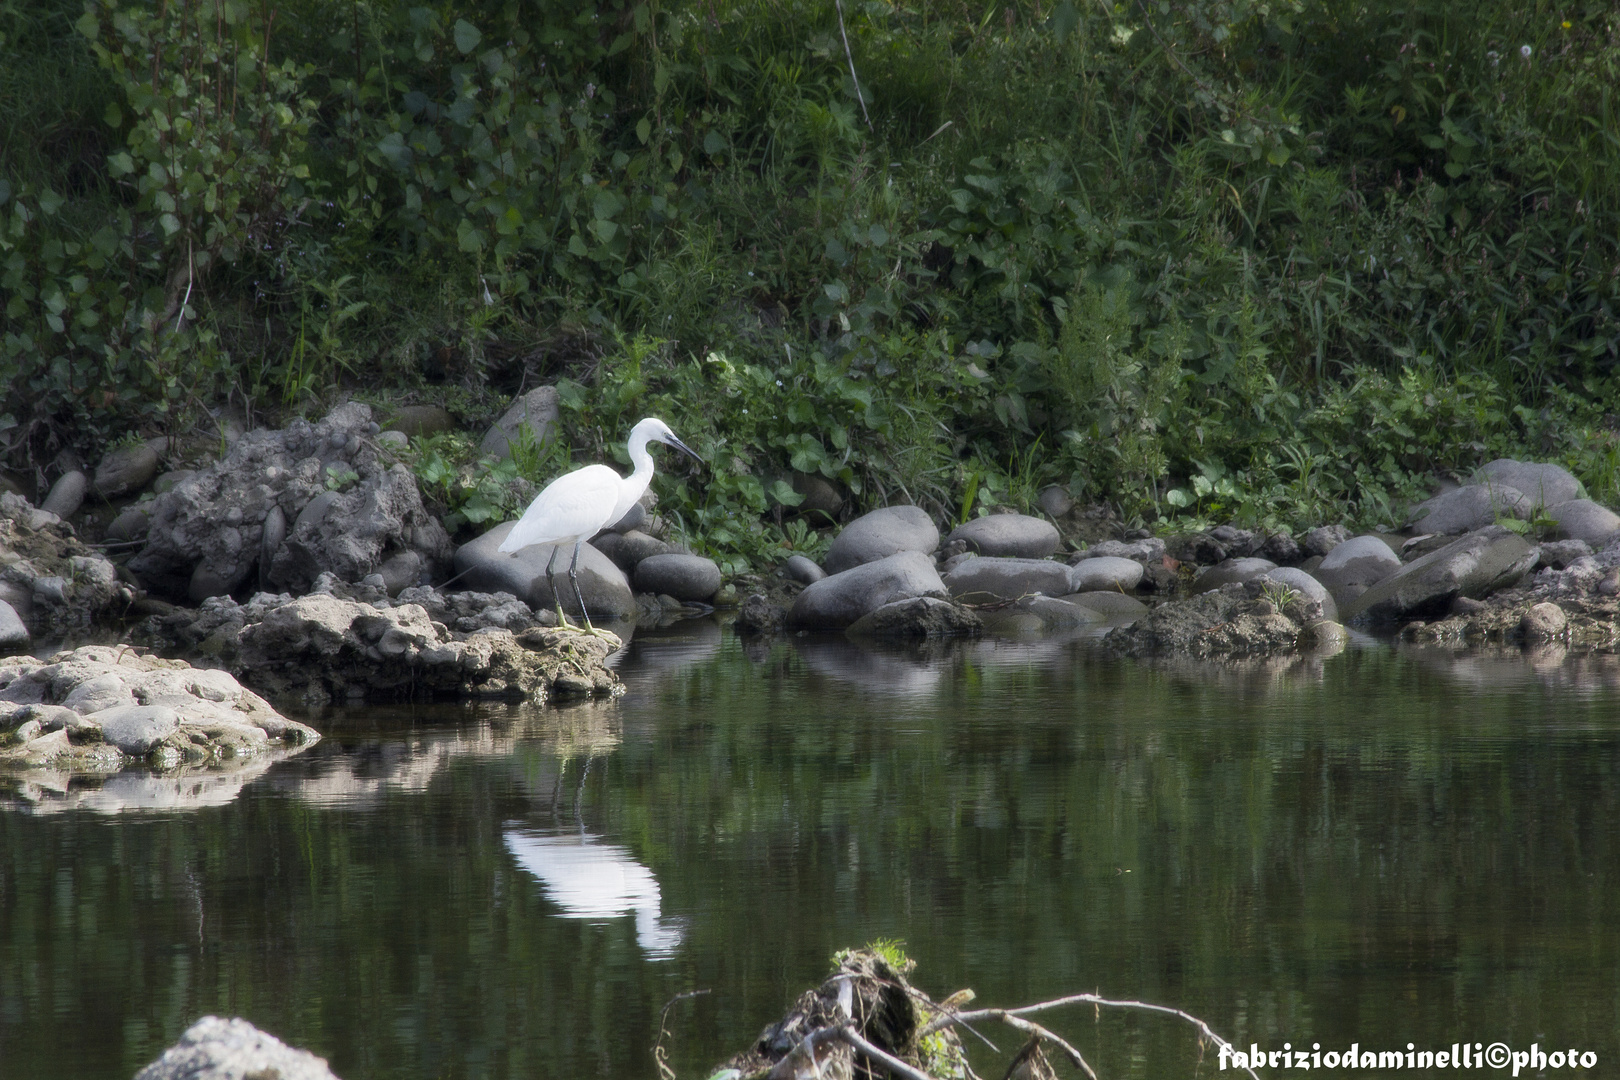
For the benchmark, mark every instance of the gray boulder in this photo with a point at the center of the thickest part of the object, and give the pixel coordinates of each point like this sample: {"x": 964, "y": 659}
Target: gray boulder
{"x": 987, "y": 578}
{"x": 66, "y": 495}
{"x": 685, "y": 577}
{"x": 1040, "y": 615}
{"x": 1544, "y": 483}
{"x": 1307, "y": 586}
{"x": 879, "y": 534}
{"x": 1230, "y": 572}
{"x": 136, "y": 729}
{"x": 1583, "y": 519}
{"x": 13, "y": 631}
{"x": 820, "y": 497}
{"x": 535, "y": 413}
{"x": 803, "y": 570}
{"x": 919, "y": 617}
{"x": 1012, "y": 536}
{"x": 1105, "y": 572}
{"x": 838, "y": 600}
{"x": 217, "y": 1049}
{"x": 628, "y": 549}
{"x": 1472, "y": 566}
{"x": 1281, "y": 549}
{"x": 1356, "y": 565}
{"x": 351, "y": 511}
{"x": 1324, "y": 538}
{"x": 523, "y": 574}
{"x": 1466, "y": 509}
{"x": 130, "y": 524}
{"x": 126, "y": 469}
{"x": 1055, "y": 501}
{"x": 1558, "y": 554}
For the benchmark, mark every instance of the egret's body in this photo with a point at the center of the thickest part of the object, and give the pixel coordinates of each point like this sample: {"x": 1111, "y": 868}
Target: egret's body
{"x": 578, "y": 505}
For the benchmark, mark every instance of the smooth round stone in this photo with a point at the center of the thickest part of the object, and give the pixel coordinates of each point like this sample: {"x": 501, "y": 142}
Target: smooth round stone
{"x": 836, "y": 601}
{"x": 1037, "y": 616}
{"x": 1293, "y": 578}
{"x": 803, "y": 569}
{"x": 634, "y": 518}
{"x": 394, "y": 440}
{"x": 126, "y": 469}
{"x": 400, "y": 572}
{"x": 880, "y": 534}
{"x": 1108, "y": 602}
{"x": 991, "y": 578}
{"x": 1225, "y": 573}
{"x": 628, "y": 549}
{"x": 1323, "y": 539}
{"x": 1544, "y": 622}
{"x": 1010, "y": 536}
{"x": 130, "y": 524}
{"x": 1105, "y": 572}
{"x": 820, "y": 496}
{"x": 1360, "y": 562}
{"x": 13, "y": 631}
{"x": 523, "y": 574}
{"x": 1544, "y": 483}
{"x": 685, "y": 577}
{"x": 1055, "y": 502}
{"x": 535, "y": 412}
{"x": 67, "y": 495}
{"x": 1468, "y": 508}
{"x": 1583, "y": 519}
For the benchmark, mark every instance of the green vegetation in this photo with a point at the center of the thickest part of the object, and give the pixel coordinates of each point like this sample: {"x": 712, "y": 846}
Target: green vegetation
{"x": 1269, "y": 262}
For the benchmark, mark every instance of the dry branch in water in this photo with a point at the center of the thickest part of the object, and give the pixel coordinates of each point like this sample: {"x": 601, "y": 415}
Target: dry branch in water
{"x": 867, "y": 1022}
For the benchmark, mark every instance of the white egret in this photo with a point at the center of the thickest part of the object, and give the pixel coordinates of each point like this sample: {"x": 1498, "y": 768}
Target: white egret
{"x": 578, "y": 505}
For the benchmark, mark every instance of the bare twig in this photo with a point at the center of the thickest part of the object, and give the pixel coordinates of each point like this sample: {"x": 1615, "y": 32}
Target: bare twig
{"x": 894, "y": 1064}
{"x": 851, "y": 58}
{"x": 1032, "y": 1028}
{"x": 660, "y": 1055}
{"x": 1095, "y": 1000}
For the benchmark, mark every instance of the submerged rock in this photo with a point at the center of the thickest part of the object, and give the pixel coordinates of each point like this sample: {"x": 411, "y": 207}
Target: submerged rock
{"x": 99, "y": 708}
{"x": 919, "y": 617}
{"x": 1234, "y": 620}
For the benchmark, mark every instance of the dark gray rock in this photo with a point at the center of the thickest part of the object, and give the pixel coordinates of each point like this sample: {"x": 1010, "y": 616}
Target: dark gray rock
{"x": 1011, "y": 536}
{"x": 803, "y": 570}
{"x": 523, "y": 574}
{"x": 1231, "y": 571}
{"x": 1466, "y": 509}
{"x": 13, "y": 631}
{"x": 880, "y": 534}
{"x": 1054, "y": 502}
{"x": 1324, "y": 538}
{"x": 821, "y": 498}
{"x": 400, "y": 572}
{"x": 628, "y": 549}
{"x": 836, "y": 601}
{"x": 757, "y": 615}
{"x": 1307, "y": 586}
{"x": 985, "y": 578}
{"x": 130, "y": 524}
{"x": 1104, "y": 572}
{"x": 415, "y": 421}
{"x": 1239, "y": 543}
{"x": 1035, "y": 616}
{"x": 634, "y": 518}
{"x": 1281, "y": 549}
{"x": 1558, "y": 554}
{"x": 1583, "y": 519}
{"x": 534, "y": 412}
{"x": 126, "y": 469}
{"x": 1355, "y": 566}
{"x": 1474, "y": 566}
{"x": 685, "y": 577}
{"x": 1544, "y": 483}
{"x": 919, "y": 617}
{"x": 136, "y": 729}
{"x": 66, "y": 495}
{"x": 217, "y": 1049}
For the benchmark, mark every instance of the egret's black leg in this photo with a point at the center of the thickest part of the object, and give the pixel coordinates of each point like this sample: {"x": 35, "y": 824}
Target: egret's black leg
{"x": 556, "y": 597}
{"x": 573, "y": 576}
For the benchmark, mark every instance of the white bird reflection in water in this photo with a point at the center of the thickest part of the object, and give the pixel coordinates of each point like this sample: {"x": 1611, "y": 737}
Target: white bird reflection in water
{"x": 598, "y": 882}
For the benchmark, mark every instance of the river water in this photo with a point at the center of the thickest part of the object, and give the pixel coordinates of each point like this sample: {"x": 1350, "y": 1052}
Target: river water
{"x": 1389, "y": 846}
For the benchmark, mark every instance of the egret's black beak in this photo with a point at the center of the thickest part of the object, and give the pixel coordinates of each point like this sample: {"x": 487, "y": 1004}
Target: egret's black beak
{"x": 682, "y": 447}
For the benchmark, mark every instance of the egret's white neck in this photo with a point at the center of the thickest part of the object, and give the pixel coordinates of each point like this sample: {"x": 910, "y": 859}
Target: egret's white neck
{"x": 641, "y": 476}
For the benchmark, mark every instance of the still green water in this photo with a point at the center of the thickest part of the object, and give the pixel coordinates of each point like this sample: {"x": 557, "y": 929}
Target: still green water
{"x": 1388, "y": 846}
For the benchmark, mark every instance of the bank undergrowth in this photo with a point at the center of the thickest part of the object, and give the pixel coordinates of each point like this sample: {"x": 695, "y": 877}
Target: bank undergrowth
{"x": 1202, "y": 259}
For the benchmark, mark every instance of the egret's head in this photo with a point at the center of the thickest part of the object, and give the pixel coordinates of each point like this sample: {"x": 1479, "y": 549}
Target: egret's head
{"x": 653, "y": 429}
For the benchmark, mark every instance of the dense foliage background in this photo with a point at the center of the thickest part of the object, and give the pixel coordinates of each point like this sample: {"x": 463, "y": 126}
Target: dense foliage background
{"x": 1203, "y": 259}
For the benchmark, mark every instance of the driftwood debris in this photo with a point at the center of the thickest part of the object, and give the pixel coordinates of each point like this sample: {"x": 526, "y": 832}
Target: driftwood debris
{"x": 867, "y": 1022}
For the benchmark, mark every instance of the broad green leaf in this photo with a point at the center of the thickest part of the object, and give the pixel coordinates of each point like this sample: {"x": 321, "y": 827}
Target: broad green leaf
{"x": 467, "y": 36}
